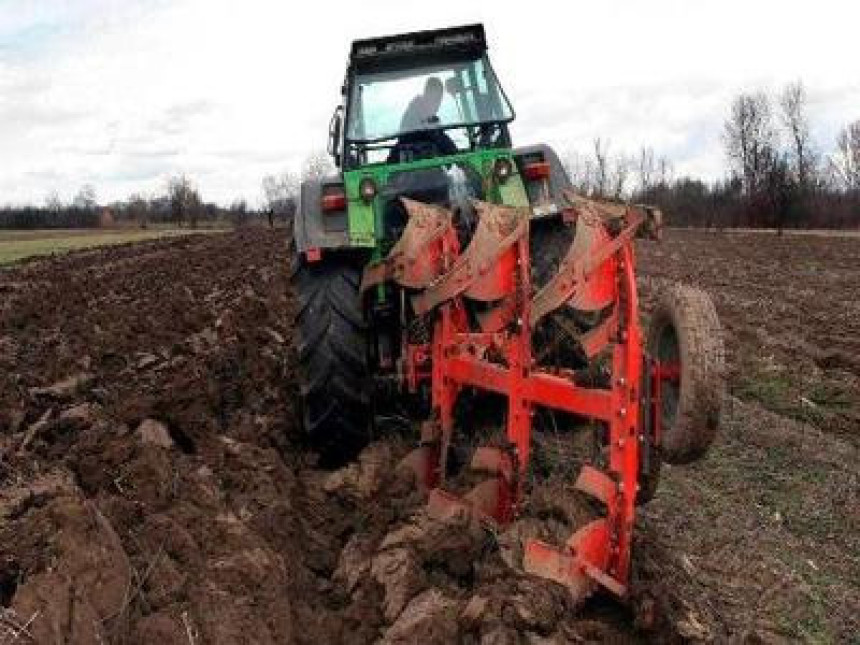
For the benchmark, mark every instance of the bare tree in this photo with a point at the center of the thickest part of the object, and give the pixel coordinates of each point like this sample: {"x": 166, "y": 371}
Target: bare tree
{"x": 580, "y": 170}
{"x": 138, "y": 210}
{"x": 665, "y": 172}
{"x": 280, "y": 193}
{"x": 646, "y": 170}
{"x": 750, "y": 140}
{"x": 601, "y": 167}
{"x": 53, "y": 202}
{"x": 793, "y": 105}
{"x": 619, "y": 173}
{"x": 185, "y": 202}
{"x": 239, "y": 213}
{"x": 86, "y": 198}
{"x": 317, "y": 165}
{"x": 846, "y": 161}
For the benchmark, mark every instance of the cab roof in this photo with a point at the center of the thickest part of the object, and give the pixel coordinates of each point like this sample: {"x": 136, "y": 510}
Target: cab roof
{"x": 417, "y": 48}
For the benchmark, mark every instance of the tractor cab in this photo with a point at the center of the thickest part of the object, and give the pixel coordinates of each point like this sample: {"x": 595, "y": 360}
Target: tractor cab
{"x": 423, "y": 116}
{"x": 420, "y": 96}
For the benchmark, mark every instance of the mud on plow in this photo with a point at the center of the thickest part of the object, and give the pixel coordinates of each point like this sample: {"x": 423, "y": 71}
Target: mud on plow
{"x": 478, "y": 309}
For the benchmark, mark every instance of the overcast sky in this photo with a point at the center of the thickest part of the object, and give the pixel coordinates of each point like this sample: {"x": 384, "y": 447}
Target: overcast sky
{"x": 120, "y": 94}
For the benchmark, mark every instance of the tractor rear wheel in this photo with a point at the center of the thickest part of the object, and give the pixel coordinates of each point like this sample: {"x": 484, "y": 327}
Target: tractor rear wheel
{"x": 332, "y": 358}
{"x": 685, "y": 333}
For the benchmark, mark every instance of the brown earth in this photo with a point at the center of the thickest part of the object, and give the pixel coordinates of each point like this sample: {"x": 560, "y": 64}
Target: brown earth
{"x": 153, "y": 487}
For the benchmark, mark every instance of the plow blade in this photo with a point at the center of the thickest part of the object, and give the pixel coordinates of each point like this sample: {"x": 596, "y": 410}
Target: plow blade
{"x": 494, "y": 461}
{"x": 445, "y": 506}
{"x": 418, "y": 257}
{"x": 596, "y": 483}
{"x": 490, "y": 501}
{"x": 580, "y": 566}
{"x": 486, "y": 270}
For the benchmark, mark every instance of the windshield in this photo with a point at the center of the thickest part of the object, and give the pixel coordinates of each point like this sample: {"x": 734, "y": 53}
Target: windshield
{"x": 385, "y": 105}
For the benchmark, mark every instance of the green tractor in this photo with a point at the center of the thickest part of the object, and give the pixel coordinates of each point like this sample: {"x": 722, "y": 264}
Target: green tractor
{"x": 423, "y": 117}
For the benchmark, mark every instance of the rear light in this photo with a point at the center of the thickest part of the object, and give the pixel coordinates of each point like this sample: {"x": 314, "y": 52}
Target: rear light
{"x": 334, "y": 202}
{"x": 367, "y": 189}
{"x": 313, "y": 254}
{"x": 536, "y": 170}
{"x": 502, "y": 169}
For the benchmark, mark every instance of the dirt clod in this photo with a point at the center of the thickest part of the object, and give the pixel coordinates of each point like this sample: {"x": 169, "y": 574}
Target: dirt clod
{"x": 154, "y": 433}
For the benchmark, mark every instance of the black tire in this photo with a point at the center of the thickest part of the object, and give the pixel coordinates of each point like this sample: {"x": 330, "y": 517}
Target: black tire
{"x": 331, "y": 342}
{"x": 685, "y": 329}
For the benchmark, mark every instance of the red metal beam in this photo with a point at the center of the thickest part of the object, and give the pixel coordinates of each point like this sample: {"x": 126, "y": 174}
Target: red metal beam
{"x": 539, "y": 388}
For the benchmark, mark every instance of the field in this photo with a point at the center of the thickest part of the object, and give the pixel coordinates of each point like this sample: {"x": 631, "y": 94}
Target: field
{"x": 19, "y": 245}
{"x": 153, "y": 486}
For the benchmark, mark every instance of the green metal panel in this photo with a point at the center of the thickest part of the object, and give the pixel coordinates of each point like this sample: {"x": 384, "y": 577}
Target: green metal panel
{"x": 365, "y": 219}
{"x": 362, "y": 220}
{"x": 513, "y": 193}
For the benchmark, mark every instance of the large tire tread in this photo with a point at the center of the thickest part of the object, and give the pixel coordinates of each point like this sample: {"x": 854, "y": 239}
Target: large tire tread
{"x": 332, "y": 358}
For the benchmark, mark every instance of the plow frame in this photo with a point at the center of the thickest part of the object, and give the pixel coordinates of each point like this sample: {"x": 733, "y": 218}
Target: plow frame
{"x": 498, "y": 358}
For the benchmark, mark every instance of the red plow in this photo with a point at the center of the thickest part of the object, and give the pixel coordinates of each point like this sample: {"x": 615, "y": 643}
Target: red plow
{"x": 659, "y": 400}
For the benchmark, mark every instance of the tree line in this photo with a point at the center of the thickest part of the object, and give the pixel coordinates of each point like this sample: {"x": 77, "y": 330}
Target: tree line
{"x": 181, "y": 204}
{"x": 777, "y": 176}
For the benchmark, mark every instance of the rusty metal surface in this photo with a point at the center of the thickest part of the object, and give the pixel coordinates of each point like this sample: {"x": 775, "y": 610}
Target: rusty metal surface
{"x": 652, "y": 217}
{"x": 596, "y": 483}
{"x": 486, "y": 270}
{"x": 585, "y": 276}
{"x": 417, "y": 258}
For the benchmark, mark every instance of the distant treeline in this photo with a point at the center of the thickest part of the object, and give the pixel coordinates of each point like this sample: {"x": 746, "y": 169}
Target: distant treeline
{"x": 693, "y": 203}
{"x": 777, "y": 176}
{"x": 181, "y": 206}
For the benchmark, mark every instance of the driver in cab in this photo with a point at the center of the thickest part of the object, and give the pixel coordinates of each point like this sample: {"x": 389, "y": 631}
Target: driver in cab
{"x": 420, "y": 114}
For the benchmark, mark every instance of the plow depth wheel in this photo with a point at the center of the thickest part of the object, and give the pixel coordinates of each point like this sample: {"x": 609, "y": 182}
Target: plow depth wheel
{"x": 686, "y": 339}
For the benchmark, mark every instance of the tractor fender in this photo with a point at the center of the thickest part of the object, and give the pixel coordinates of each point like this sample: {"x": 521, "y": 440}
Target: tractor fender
{"x": 314, "y": 229}
{"x": 558, "y": 180}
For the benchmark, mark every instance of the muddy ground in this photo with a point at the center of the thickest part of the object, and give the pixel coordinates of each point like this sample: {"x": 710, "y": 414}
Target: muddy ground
{"x": 153, "y": 487}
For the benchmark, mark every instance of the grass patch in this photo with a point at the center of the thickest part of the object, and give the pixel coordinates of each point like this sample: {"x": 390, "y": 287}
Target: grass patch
{"x": 834, "y": 395}
{"x": 770, "y": 386}
{"x": 816, "y": 399}
{"x": 19, "y": 245}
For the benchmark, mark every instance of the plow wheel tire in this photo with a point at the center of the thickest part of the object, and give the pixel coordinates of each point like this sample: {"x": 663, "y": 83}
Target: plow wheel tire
{"x": 685, "y": 332}
{"x": 332, "y": 359}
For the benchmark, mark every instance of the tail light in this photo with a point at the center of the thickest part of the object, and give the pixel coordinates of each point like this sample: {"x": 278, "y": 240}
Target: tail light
{"x": 334, "y": 201}
{"x": 536, "y": 170}
{"x": 502, "y": 169}
{"x": 367, "y": 189}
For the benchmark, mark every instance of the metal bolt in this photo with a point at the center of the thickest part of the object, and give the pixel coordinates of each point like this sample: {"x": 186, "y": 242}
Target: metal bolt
{"x": 622, "y": 412}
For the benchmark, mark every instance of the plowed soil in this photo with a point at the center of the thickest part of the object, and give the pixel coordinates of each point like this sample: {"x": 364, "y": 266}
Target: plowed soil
{"x": 154, "y": 487}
